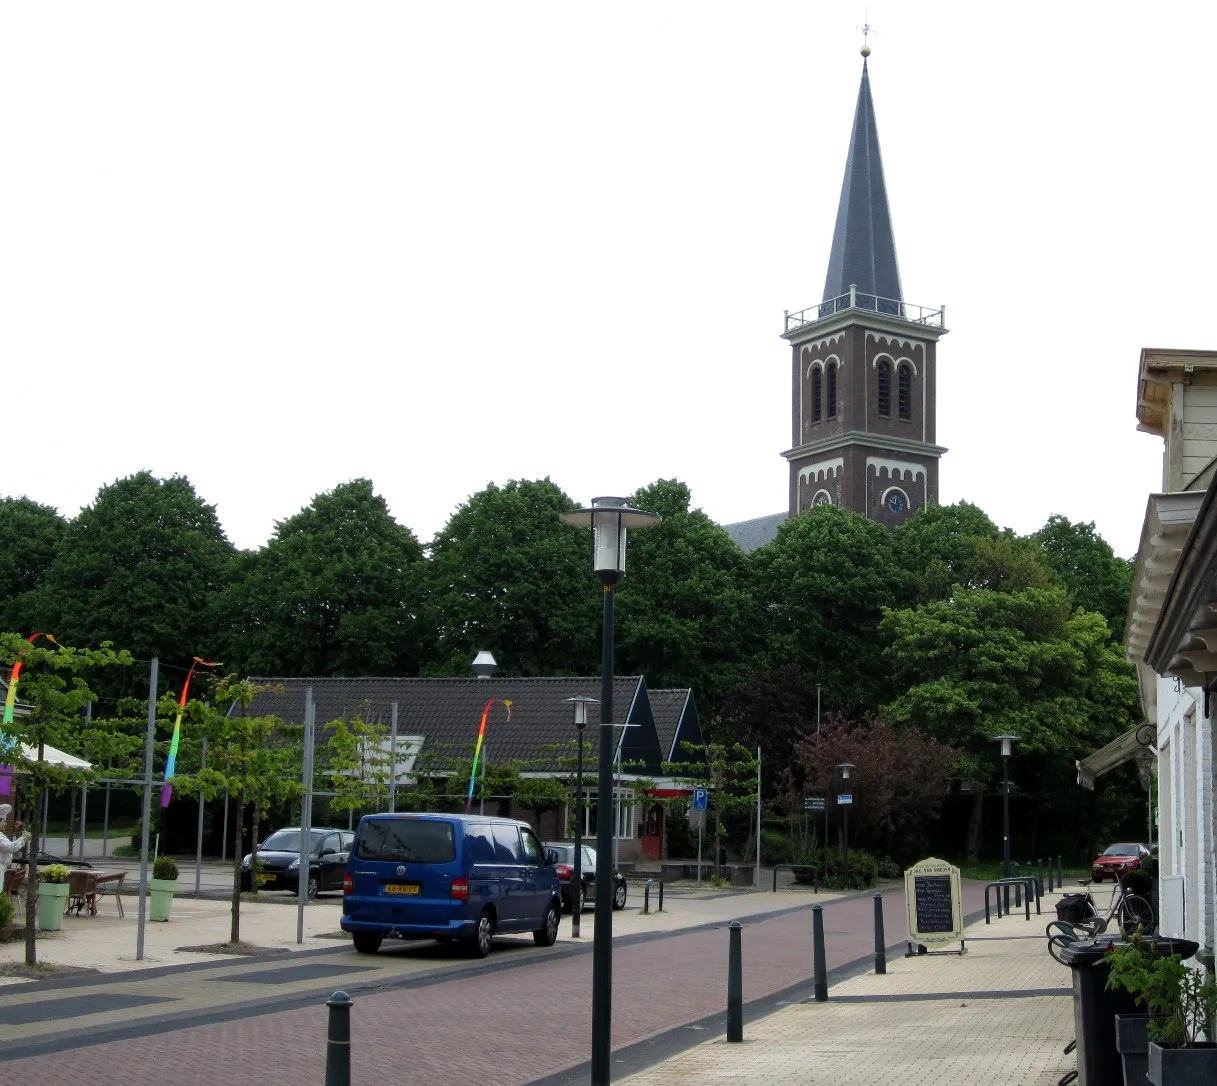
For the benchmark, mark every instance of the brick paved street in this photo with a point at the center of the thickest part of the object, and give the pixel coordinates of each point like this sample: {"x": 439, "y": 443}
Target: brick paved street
{"x": 510, "y": 1024}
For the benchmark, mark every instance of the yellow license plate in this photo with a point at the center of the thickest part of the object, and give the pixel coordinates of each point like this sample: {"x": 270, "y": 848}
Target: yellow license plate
{"x": 402, "y": 888}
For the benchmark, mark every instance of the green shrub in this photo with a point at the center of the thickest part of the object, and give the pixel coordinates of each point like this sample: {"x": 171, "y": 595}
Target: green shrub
{"x": 55, "y": 873}
{"x": 6, "y": 915}
{"x": 165, "y": 868}
{"x": 777, "y": 848}
{"x": 863, "y": 871}
{"x": 889, "y": 869}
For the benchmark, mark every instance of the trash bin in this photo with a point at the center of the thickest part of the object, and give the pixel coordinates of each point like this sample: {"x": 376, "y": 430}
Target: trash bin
{"x": 1095, "y": 1005}
{"x": 722, "y": 857}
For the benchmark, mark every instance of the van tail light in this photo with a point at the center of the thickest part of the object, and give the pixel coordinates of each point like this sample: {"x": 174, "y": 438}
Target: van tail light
{"x": 563, "y": 870}
{"x": 348, "y": 884}
{"x": 460, "y": 889}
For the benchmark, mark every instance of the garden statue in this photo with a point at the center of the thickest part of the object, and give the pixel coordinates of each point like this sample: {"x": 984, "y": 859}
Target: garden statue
{"x": 9, "y": 846}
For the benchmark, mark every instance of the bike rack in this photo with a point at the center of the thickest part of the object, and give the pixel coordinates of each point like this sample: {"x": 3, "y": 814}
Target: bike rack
{"x": 646, "y": 895}
{"x": 815, "y": 880}
{"x": 1030, "y": 885}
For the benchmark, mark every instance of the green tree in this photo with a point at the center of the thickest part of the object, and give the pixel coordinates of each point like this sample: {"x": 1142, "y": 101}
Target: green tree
{"x": 986, "y": 662}
{"x": 140, "y": 567}
{"x": 1086, "y": 565}
{"x": 52, "y": 686}
{"x": 687, "y": 615}
{"x": 30, "y": 535}
{"x": 774, "y": 710}
{"x": 822, "y": 585}
{"x": 506, "y": 575}
{"x": 334, "y": 592}
{"x": 357, "y": 764}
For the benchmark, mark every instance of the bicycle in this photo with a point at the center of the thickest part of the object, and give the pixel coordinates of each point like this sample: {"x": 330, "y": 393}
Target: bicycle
{"x": 1130, "y": 912}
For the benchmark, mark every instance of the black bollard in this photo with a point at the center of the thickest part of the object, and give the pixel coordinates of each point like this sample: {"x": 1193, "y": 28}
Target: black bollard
{"x": 820, "y": 977}
{"x": 1018, "y": 890}
{"x": 338, "y": 1041}
{"x": 735, "y": 985}
{"x": 1060, "y": 873}
{"x": 880, "y": 947}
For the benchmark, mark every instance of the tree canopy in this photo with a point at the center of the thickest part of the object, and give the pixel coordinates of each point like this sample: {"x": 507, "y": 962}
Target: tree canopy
{"x": 30, "y": 535}
{"x": 1087, "y": 566}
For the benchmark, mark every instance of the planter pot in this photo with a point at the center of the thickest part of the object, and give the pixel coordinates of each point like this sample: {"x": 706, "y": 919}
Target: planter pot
{"x": 52, "y": 902}
{"x": 161, "y": 893}
{"x": 1183, "y": 1066}
{"x": 1132, "y": 1042}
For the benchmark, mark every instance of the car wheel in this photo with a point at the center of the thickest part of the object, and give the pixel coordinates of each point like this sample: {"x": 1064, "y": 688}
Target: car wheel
{"x": 313, "y": 885}
{"x": 619, "y": 896}
{"x": 483, "y": 937}
{"x": 366, "y": 942}
{"x": 548, "y": 935}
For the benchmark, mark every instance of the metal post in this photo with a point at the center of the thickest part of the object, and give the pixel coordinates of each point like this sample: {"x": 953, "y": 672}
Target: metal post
{"x": 224, "y": 833}
{"x": 1018, "y": 889}
{"x": 482, "y": 788}
{"x": 758, "y": 818}
{"x": 824, "y": 873}
{"x": 393, "y": 761}
{"x": 880, "y": 947}
{"x": 149, "y": 745}
{"x": 845, "y": 842}
{"x": 306, "y": 816}
{"x": 84, "y": 800}
{"x": 1060, "y": 872}
{"x": 338, "y": 1041}
{"x": 735, "y": 984}
{"x": 105, "y": 825}
{"x": 820, "y": 970}
{"x": 701, "y": 825}
{"x": 617, "y": 809}
{"x": 602, "y": 952}
{"x": 577, "y": 888}
{"x": 1005, "y": 848}
{"x": 46, "y": 807}
{"x": 198, "y": 842}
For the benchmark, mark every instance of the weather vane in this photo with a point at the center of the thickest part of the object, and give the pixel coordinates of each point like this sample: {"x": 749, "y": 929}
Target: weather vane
{"x": 866, "y": 31}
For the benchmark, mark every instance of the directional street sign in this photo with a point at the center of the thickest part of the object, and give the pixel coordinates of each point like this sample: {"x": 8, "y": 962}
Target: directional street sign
{"x": 813, "y": 803}
{"x": 701, "y": 799}
{"x": 844, "y": 801}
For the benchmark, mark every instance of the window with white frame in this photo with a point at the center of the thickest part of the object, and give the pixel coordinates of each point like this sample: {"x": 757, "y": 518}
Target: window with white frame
{"x": 624, "y": 798}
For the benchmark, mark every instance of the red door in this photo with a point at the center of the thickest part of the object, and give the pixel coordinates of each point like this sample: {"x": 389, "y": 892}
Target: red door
{"x": 650, "y": 840}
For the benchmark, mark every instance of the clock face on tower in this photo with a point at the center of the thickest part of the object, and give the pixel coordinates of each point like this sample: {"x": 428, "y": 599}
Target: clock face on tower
{"x": 895, "y": 502}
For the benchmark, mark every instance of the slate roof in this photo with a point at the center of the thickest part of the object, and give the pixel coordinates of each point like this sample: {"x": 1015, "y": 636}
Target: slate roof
{"x": 676, "y": 722}
{"x": 863, "y": 246}
{"x": 748, "y": 535}
{"x": 446, "y": 713}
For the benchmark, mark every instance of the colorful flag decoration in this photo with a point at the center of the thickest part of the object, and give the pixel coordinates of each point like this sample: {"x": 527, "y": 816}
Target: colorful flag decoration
{"x": 477, "y": 750}
{"x": 171, "y": 761}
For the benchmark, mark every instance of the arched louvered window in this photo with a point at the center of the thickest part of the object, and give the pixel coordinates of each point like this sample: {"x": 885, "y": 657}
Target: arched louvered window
{"x": 830, "y": 379}
{"x": 885, "y": 387}
{"x": 904, "y": 390}
{"x": 817, "y": 394}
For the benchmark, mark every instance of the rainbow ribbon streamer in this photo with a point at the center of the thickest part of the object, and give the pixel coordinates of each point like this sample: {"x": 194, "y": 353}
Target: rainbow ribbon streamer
{"x": 10, "y": 698}
{"x": 167, "y": 788}
{"x": 477, "y": 751}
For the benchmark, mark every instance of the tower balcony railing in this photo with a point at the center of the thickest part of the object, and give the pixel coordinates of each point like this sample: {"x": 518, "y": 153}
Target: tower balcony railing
{"x": 869, "y": 303}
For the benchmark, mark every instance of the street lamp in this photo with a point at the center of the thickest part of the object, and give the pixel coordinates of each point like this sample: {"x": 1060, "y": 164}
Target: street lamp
{"x": 846, "y": 769}
{"x": 1007, "y": 748}
{"x": 580, "y": 702}
{"x": 610, "y": 520}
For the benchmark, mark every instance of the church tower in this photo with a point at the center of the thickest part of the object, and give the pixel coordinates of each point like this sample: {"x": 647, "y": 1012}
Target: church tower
{"x": 864, "y": 360}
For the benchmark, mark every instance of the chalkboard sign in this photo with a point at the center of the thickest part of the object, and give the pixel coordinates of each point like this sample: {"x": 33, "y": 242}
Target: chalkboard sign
{"x": 935, "y": 907}
{"x": 935, "y": 903}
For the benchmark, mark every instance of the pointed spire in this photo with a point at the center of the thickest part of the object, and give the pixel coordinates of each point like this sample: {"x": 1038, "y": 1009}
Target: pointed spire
{"x": 863, "y": 247}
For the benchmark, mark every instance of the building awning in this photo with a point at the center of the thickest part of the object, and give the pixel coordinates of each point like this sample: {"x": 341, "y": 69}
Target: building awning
{"x": 1138, "y": 744}
{"x": 51, "y": 756}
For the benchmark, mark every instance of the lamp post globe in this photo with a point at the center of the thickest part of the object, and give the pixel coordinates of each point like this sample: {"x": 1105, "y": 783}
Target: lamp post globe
{"x": 1007, "y": 749}
{"x": 846, "y": 769}
{"x": 611, "y": 520}
{"x": 580, "y": 703}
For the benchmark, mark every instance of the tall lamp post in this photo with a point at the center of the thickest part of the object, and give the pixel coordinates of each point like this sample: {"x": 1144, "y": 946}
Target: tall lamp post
{"x": 846, "y": 769}
{"x": 610, "y": 520}
{"x": 1007, "y": 748}
{"x": 580, "y": 702}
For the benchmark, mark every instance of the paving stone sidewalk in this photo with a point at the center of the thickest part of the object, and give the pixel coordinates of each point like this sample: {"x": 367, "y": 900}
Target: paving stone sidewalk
{"x": 1003, "y": 1012}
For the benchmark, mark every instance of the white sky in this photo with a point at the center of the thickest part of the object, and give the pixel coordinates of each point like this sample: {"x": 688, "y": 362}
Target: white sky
{"x": 277, "y": 246}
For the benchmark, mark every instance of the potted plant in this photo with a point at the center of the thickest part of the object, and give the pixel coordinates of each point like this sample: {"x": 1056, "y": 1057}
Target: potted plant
{"x": 1179, "y": 1002}
{"x": 161, "y": 887}
{"x": 52, "y": 896}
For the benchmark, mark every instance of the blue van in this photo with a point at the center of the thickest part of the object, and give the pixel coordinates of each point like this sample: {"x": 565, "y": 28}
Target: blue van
{"x": 448, "y": 877}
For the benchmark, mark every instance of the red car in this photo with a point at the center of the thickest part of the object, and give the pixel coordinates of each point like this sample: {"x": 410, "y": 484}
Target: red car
{"x": 1117, "y": 861}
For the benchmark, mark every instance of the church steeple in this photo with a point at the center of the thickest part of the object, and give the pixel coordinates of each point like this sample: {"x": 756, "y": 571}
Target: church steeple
{"x": 863, "y": 247}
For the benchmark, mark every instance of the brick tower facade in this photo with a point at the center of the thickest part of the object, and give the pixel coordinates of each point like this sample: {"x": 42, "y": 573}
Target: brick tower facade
{"x": 864, "y": 365}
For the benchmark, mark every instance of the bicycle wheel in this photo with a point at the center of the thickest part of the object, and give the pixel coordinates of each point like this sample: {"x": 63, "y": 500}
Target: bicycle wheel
{"x": 1136, "y": 914}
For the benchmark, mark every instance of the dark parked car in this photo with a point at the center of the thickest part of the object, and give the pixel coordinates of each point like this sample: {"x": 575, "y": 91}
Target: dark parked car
{"x": 279, "y": 861}
{"x": 1117, "y": 861}
{"x": 448, "y": 877}
{"x": 562, "y": 856}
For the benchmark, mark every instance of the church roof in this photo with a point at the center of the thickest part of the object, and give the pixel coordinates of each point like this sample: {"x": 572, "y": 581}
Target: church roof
{"x": 863, "y": 246}
{"x": 748, "y": 535}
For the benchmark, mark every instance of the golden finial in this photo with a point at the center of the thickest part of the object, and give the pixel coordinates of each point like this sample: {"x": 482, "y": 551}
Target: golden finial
{"x": 866, "y": 30}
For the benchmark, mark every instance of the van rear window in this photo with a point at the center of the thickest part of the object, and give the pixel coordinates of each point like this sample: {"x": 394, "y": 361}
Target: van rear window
{"x": 413, "y": 840}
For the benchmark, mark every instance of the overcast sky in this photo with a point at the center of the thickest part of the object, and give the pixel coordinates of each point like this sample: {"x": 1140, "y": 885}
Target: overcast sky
{"x": 274, "y": 247}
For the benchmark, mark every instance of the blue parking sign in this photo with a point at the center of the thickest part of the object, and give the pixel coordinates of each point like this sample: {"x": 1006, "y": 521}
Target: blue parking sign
{"x": 701, "y": 799}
